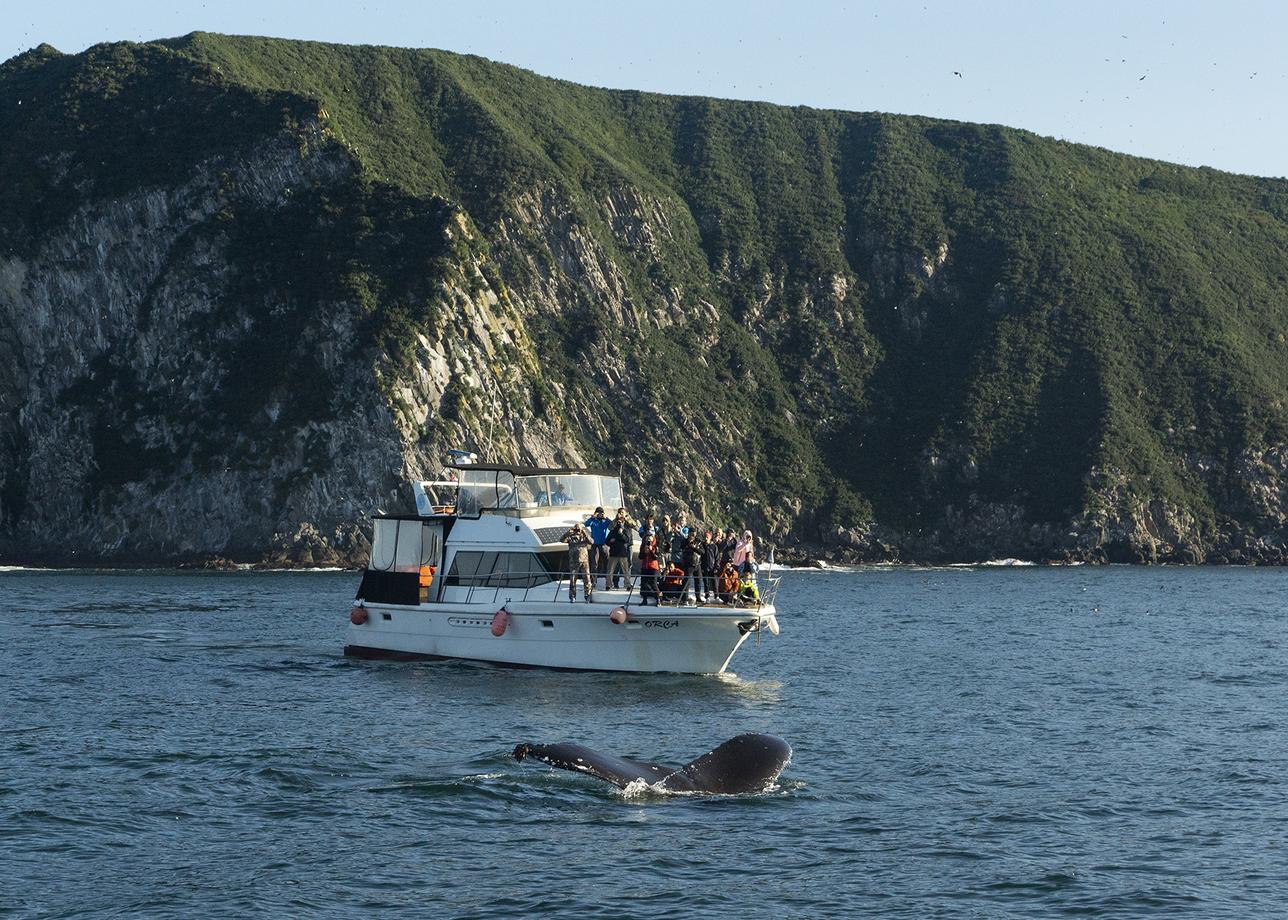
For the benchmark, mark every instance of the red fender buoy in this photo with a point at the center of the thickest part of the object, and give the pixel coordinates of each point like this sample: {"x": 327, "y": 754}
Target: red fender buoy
{"x": 500, "y": 622}
{"x": 358, "y": 616}
{"x": 618, "y": 615}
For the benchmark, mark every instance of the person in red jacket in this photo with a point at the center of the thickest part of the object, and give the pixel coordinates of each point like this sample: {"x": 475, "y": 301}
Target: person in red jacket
{"x": 673, "y": 583}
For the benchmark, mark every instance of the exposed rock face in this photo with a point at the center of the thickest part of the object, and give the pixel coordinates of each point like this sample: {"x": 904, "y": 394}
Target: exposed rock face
{"x": 114, "y": 327}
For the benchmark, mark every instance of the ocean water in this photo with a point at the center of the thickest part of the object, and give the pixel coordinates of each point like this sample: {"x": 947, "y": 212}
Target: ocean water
{"x": 1005, "y": 742}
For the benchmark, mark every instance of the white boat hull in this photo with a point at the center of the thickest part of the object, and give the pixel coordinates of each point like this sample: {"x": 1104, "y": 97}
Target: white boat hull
{"x": 578, "y": 636}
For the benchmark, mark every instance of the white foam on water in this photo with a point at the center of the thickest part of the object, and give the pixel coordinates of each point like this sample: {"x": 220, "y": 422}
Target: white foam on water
{"x": 318, "y": 568}
{"x": 638, "y": 788}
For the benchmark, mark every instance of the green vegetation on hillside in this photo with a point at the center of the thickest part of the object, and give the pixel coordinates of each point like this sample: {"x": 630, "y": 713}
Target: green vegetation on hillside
{"x": 914, "y": 313}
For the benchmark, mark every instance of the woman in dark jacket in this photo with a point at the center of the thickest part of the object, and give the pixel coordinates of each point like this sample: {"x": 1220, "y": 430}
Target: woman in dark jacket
{"x": 727, "y": 544}
{"x": 710, "y": 564}
{"x": 619, "y": 551}
{"x": 691, "y": 562}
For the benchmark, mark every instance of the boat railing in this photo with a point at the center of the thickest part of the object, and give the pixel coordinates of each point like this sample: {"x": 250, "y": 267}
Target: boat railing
{"x": 557, "y": 586}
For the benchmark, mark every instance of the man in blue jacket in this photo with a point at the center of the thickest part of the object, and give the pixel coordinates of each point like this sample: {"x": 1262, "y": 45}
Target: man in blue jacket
{"x": 599, "y": 527}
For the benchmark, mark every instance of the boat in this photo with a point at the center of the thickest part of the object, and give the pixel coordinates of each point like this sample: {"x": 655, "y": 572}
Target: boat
{"x": 480, "y": 572}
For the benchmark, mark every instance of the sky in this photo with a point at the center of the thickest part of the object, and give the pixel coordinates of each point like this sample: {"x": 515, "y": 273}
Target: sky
{"x": 1198, "y": 83}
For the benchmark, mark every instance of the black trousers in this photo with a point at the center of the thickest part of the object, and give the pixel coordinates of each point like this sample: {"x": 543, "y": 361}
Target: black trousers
{"x": 649, "y": 588}
{"x": 599, "y": 559}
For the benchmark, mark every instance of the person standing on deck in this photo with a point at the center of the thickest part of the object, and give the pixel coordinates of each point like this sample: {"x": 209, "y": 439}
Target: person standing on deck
{"x": 664, "y": 539}
{"x": 619, "y": 551}
{"x": 682, "y": 521}
{"x": 650, "y": 573}
{"x": 679, "y": 535}
{"x": 744, "y": 554}
{"x": 728, "y": 543}
{"x": 691, "y": 562}
{"x": 710, "y": 564}
{"x": 599, "y": 525}
{"x": 579, "y": 542}
{"x": 645, "y": 530}
{"x": 648, "y": 529}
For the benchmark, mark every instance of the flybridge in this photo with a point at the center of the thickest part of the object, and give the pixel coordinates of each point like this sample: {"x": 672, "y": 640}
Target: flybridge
{"x": 472, "y": 489}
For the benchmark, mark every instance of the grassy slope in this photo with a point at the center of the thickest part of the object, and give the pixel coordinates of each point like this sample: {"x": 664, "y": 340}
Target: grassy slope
{"x": 1096, "y": 309}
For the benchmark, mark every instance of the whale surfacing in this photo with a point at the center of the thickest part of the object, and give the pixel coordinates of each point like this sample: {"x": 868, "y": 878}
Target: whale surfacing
{"x": 747, "y": 763}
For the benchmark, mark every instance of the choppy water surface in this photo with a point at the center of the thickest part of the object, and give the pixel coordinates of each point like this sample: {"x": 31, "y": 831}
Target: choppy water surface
{"x": 1103, "y": 742}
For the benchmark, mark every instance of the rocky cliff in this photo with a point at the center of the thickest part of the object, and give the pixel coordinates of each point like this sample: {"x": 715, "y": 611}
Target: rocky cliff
{"x": 249, "y": 287}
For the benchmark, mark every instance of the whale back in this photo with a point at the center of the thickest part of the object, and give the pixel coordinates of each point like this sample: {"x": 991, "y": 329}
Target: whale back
{"x": 747, "y": 763}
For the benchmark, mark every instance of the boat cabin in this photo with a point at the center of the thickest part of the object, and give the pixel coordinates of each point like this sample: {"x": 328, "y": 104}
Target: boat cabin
{"x": 481, "y": 533}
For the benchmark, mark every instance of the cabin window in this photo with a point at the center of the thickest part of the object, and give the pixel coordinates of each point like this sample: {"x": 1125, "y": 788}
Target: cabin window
{"x": 396, "y": 545}
{"x": 484, "y": 490}
{"x": 500, "y": 570}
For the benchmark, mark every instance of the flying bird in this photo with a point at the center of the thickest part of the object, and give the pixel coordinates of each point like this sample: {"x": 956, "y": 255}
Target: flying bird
{"x": 957, "y": 73}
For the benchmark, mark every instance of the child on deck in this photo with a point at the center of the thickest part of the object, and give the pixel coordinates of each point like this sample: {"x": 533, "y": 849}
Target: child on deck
{"x": 673, "y": 583}
{"x": 727, "y": 583}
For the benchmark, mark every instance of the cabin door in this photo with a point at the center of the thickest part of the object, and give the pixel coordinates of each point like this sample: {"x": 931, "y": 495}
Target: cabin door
{"x": 431, "y": 558}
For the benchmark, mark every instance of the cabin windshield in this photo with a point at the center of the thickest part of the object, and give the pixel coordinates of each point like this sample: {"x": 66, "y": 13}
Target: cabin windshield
{"x": 537, "y": 494}
{"x": 526, "y": 496}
